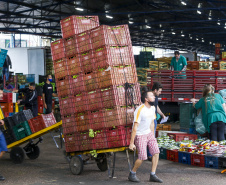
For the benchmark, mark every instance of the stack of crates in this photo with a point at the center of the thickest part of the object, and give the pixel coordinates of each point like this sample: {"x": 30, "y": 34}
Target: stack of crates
{"x": 144, "y": 58}
{"x": 90, "y": 81}
{"x": 187, "y": 117}
{"x": 3, "y": 54}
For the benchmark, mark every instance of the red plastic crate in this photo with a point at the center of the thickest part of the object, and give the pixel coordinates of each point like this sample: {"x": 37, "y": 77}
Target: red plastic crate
{"x": 78, "y": 83}
{"x": 7, "y": 98}
{"x": 110, "y": 35}
{"x": 86, "y": 141}
{"x": 96, "y": 120}
{"x": 113, "y": 56}
{"x": 117, "y": 75}
{"x": 72, "y": 146}
{"x": 91, "y": 81}
{"x": 6, "y": 114}
{"x": 74, "y": 64}
{"x": 60, "y": 68}
{"x": 76, "y": 24}
{"x": 84, "y": 41}
{"x": 69, "y": 124}
{"x": 48, "y": 119}
{"x": 100, "y": 139}
{"x": 117, "y": 116}
{"x": 82, "y": 121}
{"x": 182, "y": 136}
{"x": 57, "y": 49}
{"x": 115, "y": 96}
{"x": 198, "y": 160}
{"x": 129, "y": 130}
{"x": 94, "y": 100}
{"x": 67, "y": 106}
{"x": 172, "y": 155}
{"x": 71, "y": 47}
{"x": 116, "y": 137}
{"x": 81, "y": 102}
{"x": 87, "y": 61}
{"x": 36, "y": 124}
{"x": 64, "y": 87}
{"x": 7, "y": 107}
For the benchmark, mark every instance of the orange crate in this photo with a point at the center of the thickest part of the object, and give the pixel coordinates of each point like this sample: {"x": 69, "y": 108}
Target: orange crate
{"x": 74, "y": 64}
{"x": 7, "y": 107}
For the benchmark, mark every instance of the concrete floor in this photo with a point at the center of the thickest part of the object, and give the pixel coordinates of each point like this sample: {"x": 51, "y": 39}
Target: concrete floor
{"x": 53, "y": 169}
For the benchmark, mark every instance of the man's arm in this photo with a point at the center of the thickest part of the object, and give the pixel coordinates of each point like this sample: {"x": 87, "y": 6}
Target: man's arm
{"x": 133, "y": 134}
{"x": 184, "y": 68}
{"x": 44, "y": 101}
{"x": 160, "y": 112}
{"x": 152, "y": 127}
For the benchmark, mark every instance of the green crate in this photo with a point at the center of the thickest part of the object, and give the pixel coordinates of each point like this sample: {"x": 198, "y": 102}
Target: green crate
{"x": 162, "y": 154}
{"x": 22, "y": 130}
{"x": 187, "y": 115}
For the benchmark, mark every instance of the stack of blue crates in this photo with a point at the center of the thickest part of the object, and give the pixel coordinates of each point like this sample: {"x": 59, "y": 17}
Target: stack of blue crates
{"x": 3, "y": 54}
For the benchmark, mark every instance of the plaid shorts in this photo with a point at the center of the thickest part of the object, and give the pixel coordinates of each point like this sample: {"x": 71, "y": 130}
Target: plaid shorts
{"x": 144, "y": 141}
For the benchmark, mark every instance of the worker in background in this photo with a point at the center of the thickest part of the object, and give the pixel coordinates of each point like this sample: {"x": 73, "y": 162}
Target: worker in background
{"x": 179, "y": 63}
{"x": 213, "y": 112}
{"x": 48, "y": 94}
{"x": 156, "y": 90}
{"x": 8, "y": 86}
{"x": 3, "y": 145}
{"x": 30, "y": 101}
{"x": 6, "y": 65}
{"x": 142, "y": 136}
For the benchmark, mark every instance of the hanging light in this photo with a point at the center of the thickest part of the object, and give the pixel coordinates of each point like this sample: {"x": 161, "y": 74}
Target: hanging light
{"x": 79, "y": 9}
{"x": 183, "y": 3}
{"x": 109, "y": 17}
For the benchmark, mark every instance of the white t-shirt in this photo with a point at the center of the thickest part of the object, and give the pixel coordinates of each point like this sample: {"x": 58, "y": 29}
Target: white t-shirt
{"x": 144, "y": 116}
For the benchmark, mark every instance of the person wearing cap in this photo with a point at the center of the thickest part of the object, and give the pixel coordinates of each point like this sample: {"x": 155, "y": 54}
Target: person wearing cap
{"x": 179, "y": 64}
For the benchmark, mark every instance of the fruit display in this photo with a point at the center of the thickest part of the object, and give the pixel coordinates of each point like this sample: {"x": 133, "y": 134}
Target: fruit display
{"x": 200, "y": 146}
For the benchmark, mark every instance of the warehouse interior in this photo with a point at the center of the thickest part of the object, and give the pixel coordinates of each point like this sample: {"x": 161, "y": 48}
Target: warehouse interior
{"x": 95, "y": 60}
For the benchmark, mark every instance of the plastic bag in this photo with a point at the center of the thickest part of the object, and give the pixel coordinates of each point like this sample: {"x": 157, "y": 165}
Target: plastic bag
{"x": 199, "y": 126}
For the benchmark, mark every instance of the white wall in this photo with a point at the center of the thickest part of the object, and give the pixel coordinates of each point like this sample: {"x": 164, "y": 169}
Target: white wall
{"x": 19, "y": 59}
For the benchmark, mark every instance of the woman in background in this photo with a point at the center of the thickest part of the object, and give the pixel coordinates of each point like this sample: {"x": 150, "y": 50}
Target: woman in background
{"x": 213, "y": 112}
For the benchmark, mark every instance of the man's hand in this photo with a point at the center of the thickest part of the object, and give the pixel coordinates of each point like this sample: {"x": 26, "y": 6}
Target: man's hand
{"x": 1, "y": 122}
{"x": 163, "y": 116}
{"x": 45, "y": 106}
{"x": 18, "y": 102}
{"x": 132, "y": 147}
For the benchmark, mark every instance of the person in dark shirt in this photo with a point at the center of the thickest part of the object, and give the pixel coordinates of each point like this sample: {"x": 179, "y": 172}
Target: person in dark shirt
{"x": 30, "y": 101}
{"x": 48, "y": 94}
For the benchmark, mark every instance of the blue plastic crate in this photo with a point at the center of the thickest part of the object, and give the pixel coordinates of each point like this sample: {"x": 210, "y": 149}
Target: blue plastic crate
{"x": 21, "y": 86}
{"x": 3, "y": 55}
{"x": 11, "y": 114}
{"x": 184, "y": 157}
{"x": 188, "y": 130}
{"x": 211, "y": 162}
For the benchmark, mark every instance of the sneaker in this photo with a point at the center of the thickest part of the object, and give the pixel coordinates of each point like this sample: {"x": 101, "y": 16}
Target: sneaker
{"x": 133, "y": 177}
{"x": 2, "y": 178}
{"x": 154, "y": 178}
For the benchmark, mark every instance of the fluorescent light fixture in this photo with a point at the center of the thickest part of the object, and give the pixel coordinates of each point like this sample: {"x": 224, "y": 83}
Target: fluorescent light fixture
{"x": 213, "y": 43}
{"x": 130, "y": 22}
{"x": 109, "y": 17}
{"x": 203, "y": 41}
{"x": 183, "y": 3}
{"x": 218, "y": 23}
{"x": 190, "y": 37}
{"x": 209, "y": 18}
{"x": 173, "y": 33}
{"x": 182, "y": 35}
{"x": 197, "y": 39}
{"x": 106, "y": 11}
{"x": 210, "y": 42}
{"x": 160, "y": 25}
{"x": 199, "y": 12}
{"x": 224, "y": 27}
{"x": 79, "y": 9}
{"x": 148, "y": 26}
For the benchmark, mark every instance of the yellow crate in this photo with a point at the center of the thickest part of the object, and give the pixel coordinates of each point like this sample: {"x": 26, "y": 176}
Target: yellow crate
{"x": 164, "y": 65}
{"x": 222, "y": 65}
{"x": 205, "y": 65}
{"x": 223, "y": 55}
{"x": 153, "y": 65}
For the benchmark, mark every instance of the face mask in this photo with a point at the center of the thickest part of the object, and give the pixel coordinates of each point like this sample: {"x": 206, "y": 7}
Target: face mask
{"x": 50, "y": 80}
{"x": 151, "y": 103}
